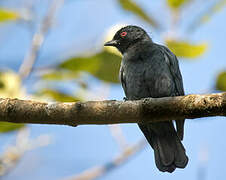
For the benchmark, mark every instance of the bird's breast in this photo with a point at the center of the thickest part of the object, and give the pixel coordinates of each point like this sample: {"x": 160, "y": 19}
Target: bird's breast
{"x": 134, "y": 79}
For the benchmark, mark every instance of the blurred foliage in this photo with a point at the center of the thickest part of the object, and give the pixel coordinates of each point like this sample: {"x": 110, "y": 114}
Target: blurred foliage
{"x": 175, "y": 4}
{"x": 104, "y": 66}
{"x": 60, "y": 75}
{"x": 6, "y": 15}
{"x": 8, "y": 127}
{"x": 219, "y": 5}
{"x": 221, "y": 81}
{"x": 10, "y": 85}
{"x": 58, "y": 96}
{"x": 131, "y": 6}
{"x": 185, "y": 49}
{"x": 205, "y": 17}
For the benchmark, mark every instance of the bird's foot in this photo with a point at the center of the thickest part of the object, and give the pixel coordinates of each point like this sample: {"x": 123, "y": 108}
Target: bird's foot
{"x": 125, "y": 99}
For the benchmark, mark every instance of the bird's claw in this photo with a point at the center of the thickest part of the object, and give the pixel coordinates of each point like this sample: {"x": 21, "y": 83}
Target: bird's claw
{"x": 145, "y": 99}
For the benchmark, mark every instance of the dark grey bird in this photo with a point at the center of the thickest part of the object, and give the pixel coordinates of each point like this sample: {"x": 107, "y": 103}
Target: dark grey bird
{"x": 151, "y": 70}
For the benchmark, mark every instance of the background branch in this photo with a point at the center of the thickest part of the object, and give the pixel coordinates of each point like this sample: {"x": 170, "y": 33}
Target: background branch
{"x": 118, "y": 135}
{"x": 11, "y": 156}
{"x": 113, "y": 112}
{"x": 123, "y": 157}
{"x": 38, "y": 39}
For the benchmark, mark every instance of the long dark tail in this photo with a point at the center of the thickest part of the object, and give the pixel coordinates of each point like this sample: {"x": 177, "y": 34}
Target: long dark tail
{"x": 168, "y": 149}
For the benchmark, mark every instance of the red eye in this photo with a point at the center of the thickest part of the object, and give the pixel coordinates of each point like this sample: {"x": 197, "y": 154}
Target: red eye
{"x": 123, "y": 34}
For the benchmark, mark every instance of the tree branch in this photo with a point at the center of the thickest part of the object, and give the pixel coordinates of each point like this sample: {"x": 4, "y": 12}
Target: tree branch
{"x": 112, "y": 112}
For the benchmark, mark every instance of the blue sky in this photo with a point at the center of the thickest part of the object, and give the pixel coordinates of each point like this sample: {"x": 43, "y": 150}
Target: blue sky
{"x": 80, "y": 27}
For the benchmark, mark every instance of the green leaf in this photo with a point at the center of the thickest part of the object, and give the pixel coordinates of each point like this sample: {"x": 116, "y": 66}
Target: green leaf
{"x": 7, "y": 15}
{"x": 2, "y": 85}
{"x": 76, "y": 64}
{"x": 175, "y": 4}
{"x": 221, "y": 81}
{"x": 58, "y": 96}
{"x": 131, "y": 6}
{"x": 109, "y": 67}
{"x": 186, "y": 49}
{"x": 7, "y": 127}
{"x": 59, "y": 75}
{"x": 104, "y": 65}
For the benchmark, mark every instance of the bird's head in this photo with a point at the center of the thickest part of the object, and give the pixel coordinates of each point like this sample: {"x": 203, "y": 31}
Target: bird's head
{"x": 127, "y": 36}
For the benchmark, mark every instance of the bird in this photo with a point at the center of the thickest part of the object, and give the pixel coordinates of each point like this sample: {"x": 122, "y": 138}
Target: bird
{"x": 151, "y": 70}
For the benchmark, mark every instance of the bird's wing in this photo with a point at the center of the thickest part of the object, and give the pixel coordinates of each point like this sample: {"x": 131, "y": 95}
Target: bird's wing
{"x": 172, "y": 62}
{"x": 158, "y": 77}
{"x": 167, "y": 78}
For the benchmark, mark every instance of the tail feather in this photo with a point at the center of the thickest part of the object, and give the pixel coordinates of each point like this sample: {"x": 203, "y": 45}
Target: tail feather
{"x": 180, "y": 128}
{"x": 165, "y": 151}
{"x": 181, "y": 160}
{"x": 161, "y": 166}
{"x": 168, "y": 149}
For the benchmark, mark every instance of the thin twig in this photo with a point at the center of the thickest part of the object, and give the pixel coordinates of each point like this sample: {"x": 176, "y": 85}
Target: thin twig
{"x": 98, "y": 171}
{"x": 38, "y": 38}
{"x": 13, "y": 153}
{"x": 118, "y": 135}
{"x": 205, "y": 16}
